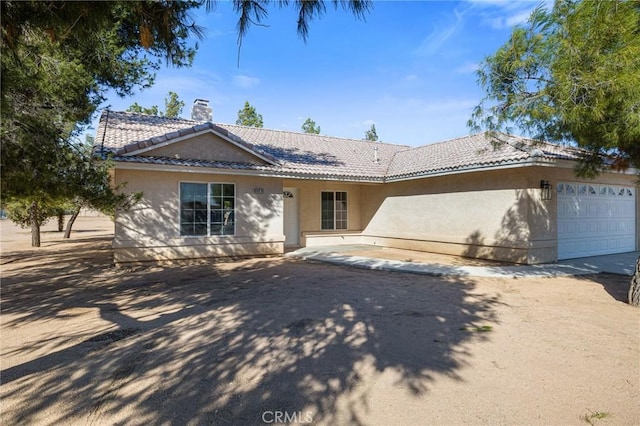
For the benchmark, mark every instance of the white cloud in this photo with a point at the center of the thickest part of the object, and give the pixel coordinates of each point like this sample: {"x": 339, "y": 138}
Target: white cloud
{"x": 440, "y": 34}
{"x": 419, "y": 120}
{"x": 366, "y": 124}
{"x": 450, "y": 105}
{"x": 518, "y": 18}
{"x": 182, "y": 84}
{"x": 245, "y": 82}
{"x": 409, "y": 81}
{"x": 508, "y": 21}
{"x": 505, "y": 14}
{"x": 429, "y": 106}
{"x": 467, "y": 68}
{"x": 213, "y": 34}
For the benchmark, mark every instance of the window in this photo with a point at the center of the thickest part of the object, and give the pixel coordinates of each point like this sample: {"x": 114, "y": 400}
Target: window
{"x": 193, "y": 209}
{"x": 222, "y": 209}
{"x": 207, "y": 209}
{"x": 582, "y": 189}
{"x": 334, "y": 210}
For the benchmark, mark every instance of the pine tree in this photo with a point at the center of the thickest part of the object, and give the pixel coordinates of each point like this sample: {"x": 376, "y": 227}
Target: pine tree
{"x": 371, "y": 134}
{"x": 248, "y": 116}
{"x": 571, "y": 74}
{"x": 172, "y": 107}
{"x": 309, "y": 126}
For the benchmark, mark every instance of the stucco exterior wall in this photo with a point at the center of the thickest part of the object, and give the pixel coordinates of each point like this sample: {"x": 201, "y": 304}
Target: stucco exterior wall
{"x": 309, "y": 207}
{"x": 490, "y": 214}
{"x": 495, "y": 214}
{"x": 150, "y": 230}
{"x": 207, "y": 147}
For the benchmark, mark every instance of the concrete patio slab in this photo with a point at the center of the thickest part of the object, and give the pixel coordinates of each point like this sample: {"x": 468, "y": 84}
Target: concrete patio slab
{"x": 623, "y": 264}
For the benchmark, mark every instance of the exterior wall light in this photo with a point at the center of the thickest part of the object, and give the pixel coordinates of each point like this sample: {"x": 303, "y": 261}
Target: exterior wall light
{"x": 545, "y": 190}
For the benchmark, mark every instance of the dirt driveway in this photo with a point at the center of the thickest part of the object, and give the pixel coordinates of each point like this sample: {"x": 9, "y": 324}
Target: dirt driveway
{"x": 269, "y": 341}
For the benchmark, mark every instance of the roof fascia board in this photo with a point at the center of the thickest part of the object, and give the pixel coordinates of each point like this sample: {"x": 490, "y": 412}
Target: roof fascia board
{"x": 527, "y": 163}
{"x": 259, "y": 173}
{"x": 285, "y": 174}
{"x": 345, "y": 179}
{"x": 189, "y": 169}
{"x": 195, "y": 134}
{"x": 571, "y": 164}
{"x": 566, "y": 164}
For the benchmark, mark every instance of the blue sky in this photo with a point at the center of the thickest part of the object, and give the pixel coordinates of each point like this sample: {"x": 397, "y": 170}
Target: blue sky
{"x": 409, "y": 68}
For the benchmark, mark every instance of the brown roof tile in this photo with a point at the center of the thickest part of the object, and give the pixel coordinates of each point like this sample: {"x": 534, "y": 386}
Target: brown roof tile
{"x": 304, "y": 154}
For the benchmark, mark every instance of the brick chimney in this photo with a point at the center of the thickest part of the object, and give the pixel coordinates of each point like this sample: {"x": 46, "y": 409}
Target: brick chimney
{"x": 201, "y": 111}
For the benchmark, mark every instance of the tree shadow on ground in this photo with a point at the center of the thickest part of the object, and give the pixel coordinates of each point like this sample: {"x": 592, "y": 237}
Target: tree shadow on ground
{"x": 225, "y": 343}
{"x": 616, "y": 285}
{"x": 58, "y": 257}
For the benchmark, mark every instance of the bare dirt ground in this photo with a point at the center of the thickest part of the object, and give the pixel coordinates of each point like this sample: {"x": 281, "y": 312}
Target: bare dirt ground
{"x": 266, "y": 340}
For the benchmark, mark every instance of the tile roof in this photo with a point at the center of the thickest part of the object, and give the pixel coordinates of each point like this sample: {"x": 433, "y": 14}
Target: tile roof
{"x": 318, "y": 154}
{"x": 303, "y": 154}
{"x": 475, "y": 151}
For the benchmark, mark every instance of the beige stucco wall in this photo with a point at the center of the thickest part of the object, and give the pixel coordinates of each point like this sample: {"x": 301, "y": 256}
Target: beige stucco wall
{"x": 309, "y": 206}
{"x": 490, "y": 214}
{"x": 150, "y": 230}
{"x": 494, "y": 214}
{"x": 207, "y": 147}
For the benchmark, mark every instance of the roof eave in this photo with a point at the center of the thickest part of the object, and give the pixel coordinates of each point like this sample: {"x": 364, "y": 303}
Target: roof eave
{"x": 276, "y": 173}
{"x": 472, "y": 168}
{"x": 571, "y": 164}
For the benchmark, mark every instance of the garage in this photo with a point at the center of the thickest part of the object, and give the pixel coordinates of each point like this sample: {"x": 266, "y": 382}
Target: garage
{"x": 595, "y": 219}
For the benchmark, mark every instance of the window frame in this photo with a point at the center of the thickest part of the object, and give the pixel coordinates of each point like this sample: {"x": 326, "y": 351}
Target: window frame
{"x": 210, "y": 195}
{"x": 335, "y": 210}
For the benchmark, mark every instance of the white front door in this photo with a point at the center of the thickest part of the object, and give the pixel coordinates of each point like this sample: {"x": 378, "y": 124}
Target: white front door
{"x": 595, "y": 219}
{"x": 291, "y": 227}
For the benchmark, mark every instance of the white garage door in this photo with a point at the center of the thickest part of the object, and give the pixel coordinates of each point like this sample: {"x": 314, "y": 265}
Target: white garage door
{"x": 595, "y": 219}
